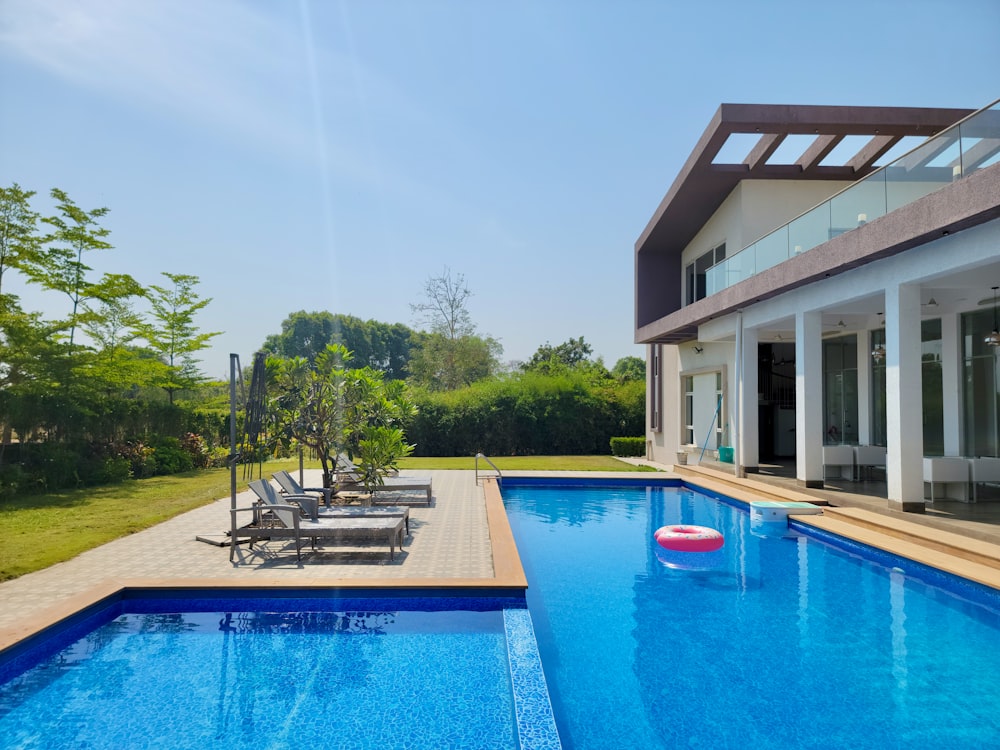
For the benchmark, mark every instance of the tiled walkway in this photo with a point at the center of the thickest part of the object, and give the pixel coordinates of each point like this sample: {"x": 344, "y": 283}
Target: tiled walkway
{"x": 448, "y": 539}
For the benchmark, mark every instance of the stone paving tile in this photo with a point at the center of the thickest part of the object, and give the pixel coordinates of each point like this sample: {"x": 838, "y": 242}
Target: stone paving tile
{"x": 448, "y": 539}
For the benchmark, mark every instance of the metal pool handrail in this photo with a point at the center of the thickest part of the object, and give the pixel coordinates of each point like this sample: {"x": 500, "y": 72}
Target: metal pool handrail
{"x": 487, "y": 460}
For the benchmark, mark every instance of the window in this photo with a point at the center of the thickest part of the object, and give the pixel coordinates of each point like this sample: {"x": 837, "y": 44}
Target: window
{"x": 687, "y": 437}
{"x": 654, "y": 417}
{"x": 981, "y": 392}
{"x": 694, "y": 273}
{"x": 933, "y": 387}
{"x": 720, "y": 437}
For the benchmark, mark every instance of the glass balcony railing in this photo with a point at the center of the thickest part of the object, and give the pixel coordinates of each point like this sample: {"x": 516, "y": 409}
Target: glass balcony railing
{"x": 952, "y": 154}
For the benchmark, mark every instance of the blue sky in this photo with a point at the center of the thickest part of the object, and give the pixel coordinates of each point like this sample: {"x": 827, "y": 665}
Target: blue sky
{"x": 335, "y": 155}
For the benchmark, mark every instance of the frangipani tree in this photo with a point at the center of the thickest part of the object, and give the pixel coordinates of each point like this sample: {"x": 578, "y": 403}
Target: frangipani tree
{"x": 332, "y": 409}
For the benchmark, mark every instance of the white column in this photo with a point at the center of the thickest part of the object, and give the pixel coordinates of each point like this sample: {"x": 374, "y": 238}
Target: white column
{"x": 904, "y": 398}
{"x": 864, "y": 388}
{"x": 749, "y": 446}
{"x": 951, "y": 383}
{"x": 809, "y": 398}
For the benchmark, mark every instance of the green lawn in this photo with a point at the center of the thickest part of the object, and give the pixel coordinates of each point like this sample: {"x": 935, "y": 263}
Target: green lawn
{"x": 41, "y": 530}
{"x": 526, "y": 463}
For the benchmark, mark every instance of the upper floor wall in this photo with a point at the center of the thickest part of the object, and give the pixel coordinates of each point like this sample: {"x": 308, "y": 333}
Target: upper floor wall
{"x": 722, "y": 216}
{"x": 752, "y": 209}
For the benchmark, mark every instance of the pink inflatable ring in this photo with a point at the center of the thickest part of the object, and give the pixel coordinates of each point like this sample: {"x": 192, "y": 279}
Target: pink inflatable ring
{"x": 688, "y": 538}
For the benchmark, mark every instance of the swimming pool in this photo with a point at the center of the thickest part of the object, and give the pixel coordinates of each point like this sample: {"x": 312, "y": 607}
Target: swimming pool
{"x": 251, "y": 669}
{"x": 784, "y": 642}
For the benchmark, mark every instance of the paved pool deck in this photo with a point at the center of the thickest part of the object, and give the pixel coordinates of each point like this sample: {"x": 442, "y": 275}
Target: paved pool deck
{"x": 460, "y": 540}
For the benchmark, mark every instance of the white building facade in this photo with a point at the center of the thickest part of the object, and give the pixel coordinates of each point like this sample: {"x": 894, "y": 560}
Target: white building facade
{"x": 827, "y": 302}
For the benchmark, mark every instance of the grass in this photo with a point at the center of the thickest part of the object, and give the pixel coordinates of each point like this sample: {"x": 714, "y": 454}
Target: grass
{"x": 42, "y": 530}
{"x": 526, "y": 463}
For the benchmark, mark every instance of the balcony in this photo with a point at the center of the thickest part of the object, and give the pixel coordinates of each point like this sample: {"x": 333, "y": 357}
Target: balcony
{"x": 951, "y": 155}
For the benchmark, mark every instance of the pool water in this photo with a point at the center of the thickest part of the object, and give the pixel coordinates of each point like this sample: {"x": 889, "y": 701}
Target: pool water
{"x": 382, "y": 676}
{"x": 779, "y": 642}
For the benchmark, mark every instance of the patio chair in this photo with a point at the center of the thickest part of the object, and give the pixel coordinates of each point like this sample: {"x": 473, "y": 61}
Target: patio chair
{"x": 947, "y": 470}
{"x": 866, "y": 457}
{"x": 289, "y": 486}
{"x": 291, "y": 490}
{"x": 283, "y": 521}
{"x": 349, "y": 480}
{"x": 984, "y": 469}
{"x": 841, "y": 456}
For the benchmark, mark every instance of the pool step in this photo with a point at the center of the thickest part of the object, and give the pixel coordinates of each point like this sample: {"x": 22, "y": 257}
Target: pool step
{"x": 956, "y": 545}
{"x": 977, "y": 561}
{"x": 970, "y": 558}
{"x": 743, "y": 489}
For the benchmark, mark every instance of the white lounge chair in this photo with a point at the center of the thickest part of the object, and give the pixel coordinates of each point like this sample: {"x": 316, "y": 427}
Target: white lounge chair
{"x": 284, "y": 521}
{"x": 292, "y": 491}
{"x": 349, "y": 480}
{"x": 289, "y": 486}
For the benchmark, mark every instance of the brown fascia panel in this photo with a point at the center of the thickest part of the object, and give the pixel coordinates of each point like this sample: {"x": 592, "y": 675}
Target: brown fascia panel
{"x": 968, "y": 202}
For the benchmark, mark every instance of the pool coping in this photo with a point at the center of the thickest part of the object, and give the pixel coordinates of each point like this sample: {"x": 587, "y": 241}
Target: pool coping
{"x": 508, "y": 577}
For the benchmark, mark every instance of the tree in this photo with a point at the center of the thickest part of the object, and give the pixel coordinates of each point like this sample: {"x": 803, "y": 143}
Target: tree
{"x": 380, "y": 346}
{"x": 331, "y": 409}
{"x": 118, "y": 364}
{"x": 173, "y": 334}
{"x": 440, "y": 364}
{"x": 628, "y": 369}
{"x": 20, "y": 244}
{"x": 570, "y": 354}
{"x": 61, "y": 267}
{"x": 444, "y": 309}
{"x": 450, "y": 355}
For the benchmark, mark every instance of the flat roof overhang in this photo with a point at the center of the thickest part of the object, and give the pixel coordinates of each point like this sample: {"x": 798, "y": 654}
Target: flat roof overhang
{"x": 963, "y": 204}
{"x": 702, "y": 185}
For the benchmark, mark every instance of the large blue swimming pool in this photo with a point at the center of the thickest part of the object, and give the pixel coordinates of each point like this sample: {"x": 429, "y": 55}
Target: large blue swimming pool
{"x": 780, "y": 642}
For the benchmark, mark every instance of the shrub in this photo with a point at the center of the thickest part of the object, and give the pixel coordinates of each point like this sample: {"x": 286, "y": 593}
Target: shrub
{"x": 142, "y": 464}
{"x": 194, "y": 445}
{"x": 11, "y": 480}
{"x": 170, "y": 457}
{"x": 116, "y": 470}
{"x": 628, "y": 446}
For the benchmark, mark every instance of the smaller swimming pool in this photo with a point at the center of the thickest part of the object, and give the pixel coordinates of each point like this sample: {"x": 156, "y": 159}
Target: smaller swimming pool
{"x": 237, "y": 669}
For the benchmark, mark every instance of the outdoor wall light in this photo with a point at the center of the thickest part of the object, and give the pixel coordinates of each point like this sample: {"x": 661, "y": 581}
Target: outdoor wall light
{"x": 994, "y": 338}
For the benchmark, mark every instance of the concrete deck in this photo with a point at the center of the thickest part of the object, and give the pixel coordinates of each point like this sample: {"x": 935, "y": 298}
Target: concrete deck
{"x": 462, "y": 539}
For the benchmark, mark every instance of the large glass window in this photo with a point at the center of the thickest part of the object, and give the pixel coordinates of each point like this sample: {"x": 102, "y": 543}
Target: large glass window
{"x": 981, "y": 393}
{"x": 687, "y": 437}
{"x": 879, "y": 421}
{"x": 840, "y": 390}
{"x": 654, "y": 417}
{"x": 721, "y": 438}
{"x": 694, "y": 273}
{"x": 933, "y": 388}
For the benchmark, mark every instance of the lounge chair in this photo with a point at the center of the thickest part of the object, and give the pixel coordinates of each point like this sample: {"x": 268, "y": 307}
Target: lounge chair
{"x": 349, "y": 480}
{"x": 293, "y": 492}
{"x": 289, "y": 486}
{"x": 283, "y": 521}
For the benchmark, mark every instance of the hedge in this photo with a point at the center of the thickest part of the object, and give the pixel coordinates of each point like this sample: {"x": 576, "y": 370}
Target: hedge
{"x": 628, "y": 446}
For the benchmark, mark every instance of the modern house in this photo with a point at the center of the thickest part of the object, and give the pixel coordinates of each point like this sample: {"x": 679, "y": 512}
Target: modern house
{"x": 820, "y": 285}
